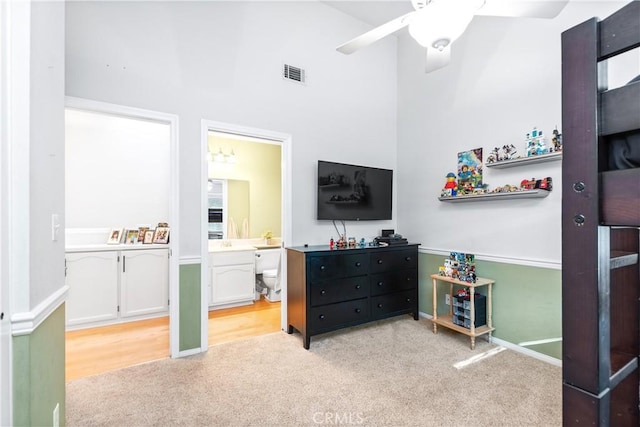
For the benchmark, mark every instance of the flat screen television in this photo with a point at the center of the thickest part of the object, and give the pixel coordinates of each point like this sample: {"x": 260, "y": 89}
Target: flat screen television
{"x": 353, "y": 193}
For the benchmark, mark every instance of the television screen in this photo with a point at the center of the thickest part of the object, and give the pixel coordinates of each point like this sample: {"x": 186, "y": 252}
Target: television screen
{"x": 351, "y": 192}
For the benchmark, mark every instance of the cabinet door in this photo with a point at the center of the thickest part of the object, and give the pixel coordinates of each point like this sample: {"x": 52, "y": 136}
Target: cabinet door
{"x": 92, "y": 278}
{"x": 233, "y": 283}
{"x": 144, "y": 282}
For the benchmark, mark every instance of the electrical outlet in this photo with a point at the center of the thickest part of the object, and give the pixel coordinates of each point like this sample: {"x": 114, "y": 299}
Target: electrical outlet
{"x": 56, "y": 416}
{"x": 447, "y": 299}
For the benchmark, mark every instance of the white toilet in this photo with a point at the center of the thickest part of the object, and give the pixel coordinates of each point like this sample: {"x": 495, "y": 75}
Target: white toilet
{"x": 268, "y": 265}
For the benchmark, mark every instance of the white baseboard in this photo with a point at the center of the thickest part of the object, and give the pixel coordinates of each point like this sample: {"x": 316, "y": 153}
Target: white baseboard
{"x": 514, "y": 347}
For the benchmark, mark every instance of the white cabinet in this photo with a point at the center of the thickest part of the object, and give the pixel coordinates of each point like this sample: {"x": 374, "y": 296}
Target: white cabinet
{"x": 144, "y": 282}
{"x": 232, "y": 277}
{"x": 92, "y": 278}
{"x": 109, "y": 286}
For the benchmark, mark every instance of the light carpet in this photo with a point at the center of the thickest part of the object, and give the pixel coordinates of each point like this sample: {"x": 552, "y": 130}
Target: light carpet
{"x": 394, "y": 372}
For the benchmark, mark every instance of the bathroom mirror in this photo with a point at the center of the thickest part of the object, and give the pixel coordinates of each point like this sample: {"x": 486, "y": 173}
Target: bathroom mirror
{"x": 238, "y": 208}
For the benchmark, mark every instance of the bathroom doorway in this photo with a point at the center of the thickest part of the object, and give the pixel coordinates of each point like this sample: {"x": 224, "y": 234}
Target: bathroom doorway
{"x": 259, "y": 160}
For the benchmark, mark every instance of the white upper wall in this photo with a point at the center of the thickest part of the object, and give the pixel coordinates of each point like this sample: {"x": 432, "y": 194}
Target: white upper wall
{"x": 504, "y": 79}
{"x": 222, "y": 61}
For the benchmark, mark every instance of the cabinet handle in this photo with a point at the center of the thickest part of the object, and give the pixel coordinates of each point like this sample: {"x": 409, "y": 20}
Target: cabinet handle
{"x": 379, "y": 261}
{"x": 322, "y": 268}
{"x": 358, "y": 264}
{"x": 358, "y": 286}
{"x": 124, "y": 263}
{"x": 321, "y": 317}
{"x": 323, "y": 292}
{"x": 358, "y": 310}
{"x": 380, "y": 305}
{"x": 408, "y": 258}
{"x": 408, "y": 279}
{"x": 380, "y": 283}
{"x": 408, "y": 299}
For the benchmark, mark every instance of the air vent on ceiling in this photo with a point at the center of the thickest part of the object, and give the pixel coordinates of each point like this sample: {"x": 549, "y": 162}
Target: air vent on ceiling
{"x": 294, "y": 73}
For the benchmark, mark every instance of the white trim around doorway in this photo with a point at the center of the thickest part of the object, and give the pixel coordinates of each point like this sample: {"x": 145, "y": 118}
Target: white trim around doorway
{"x": 174, "y": 218}
{"x": 244, "y": 132}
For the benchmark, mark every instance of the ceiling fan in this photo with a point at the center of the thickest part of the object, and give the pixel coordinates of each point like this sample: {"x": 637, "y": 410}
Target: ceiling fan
{"x": 436, "y": 24}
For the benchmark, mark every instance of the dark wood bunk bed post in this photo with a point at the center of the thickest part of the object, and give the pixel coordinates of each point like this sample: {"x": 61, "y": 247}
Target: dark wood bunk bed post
{"x": 600, "y": 235}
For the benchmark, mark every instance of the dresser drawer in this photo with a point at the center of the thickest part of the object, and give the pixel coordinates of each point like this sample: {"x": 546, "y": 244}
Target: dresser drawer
{"x": 338, "y": 265}
{"x": 393, "y": 260}
{"x": 383, "y": 305}
{"x": 338, "y": 290}
{"x": 330, "y": 316}
{"x": 393, "y": 281}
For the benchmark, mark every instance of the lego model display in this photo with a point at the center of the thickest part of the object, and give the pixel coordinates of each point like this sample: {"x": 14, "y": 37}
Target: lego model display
{"x": 459, "y": 266}
{"x": 536, "y": 144}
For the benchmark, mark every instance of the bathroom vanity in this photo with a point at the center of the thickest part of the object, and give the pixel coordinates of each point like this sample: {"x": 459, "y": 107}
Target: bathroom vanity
{"x": 333, "y": 289}
{"x": 231, "y": 276}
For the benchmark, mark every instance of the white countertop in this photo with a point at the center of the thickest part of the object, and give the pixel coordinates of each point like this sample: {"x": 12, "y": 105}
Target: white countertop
{"x": 97, "y": 247}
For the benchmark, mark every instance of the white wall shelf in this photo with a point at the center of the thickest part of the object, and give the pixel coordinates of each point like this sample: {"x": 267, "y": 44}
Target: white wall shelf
{"x": 522, "y": 161}
{"x": 527, "y": 194}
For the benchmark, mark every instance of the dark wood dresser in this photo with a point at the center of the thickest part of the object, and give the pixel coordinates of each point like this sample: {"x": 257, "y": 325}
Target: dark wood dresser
{"x": 332, "y": 289}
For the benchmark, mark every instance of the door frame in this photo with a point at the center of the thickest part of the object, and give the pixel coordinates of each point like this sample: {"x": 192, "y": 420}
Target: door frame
{"x": 285, "y": 142}
{"x": 174, "y": 211}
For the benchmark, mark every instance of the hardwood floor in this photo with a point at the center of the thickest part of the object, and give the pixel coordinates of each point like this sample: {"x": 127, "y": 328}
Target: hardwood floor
{"x": 97, "y": 350}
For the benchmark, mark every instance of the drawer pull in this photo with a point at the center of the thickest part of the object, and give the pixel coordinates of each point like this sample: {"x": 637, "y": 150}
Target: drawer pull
{"x": 322, "y": 268}
{"x": 408, "y": 258}
{"x": 323, "y": 292}
{"x": 380, "y": 305}
{"x": 358, "y": 310}
{"x": 380, "y": 283}
{"x": 321, "y": 317}
{"x": 358, "y": 286}
{"x": 408, "y": 299}
{"x": 358, "y": 264}
{"x": 408, "y": 279}
{"x": 379, "y": 261}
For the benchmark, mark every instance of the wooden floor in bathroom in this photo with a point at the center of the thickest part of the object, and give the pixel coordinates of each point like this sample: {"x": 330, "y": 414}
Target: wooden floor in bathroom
{"x": 94, "y": 351}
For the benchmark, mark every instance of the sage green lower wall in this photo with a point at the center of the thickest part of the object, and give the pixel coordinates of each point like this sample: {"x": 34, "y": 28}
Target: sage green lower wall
{"x": 190, "y": 303}
{"x": 527, "y": 301}
{"x": 38, "y": 373}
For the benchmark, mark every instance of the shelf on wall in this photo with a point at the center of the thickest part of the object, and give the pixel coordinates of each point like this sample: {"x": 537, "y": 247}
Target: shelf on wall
{"x": 521, "y": 161}
{"x": 527, "y": 194}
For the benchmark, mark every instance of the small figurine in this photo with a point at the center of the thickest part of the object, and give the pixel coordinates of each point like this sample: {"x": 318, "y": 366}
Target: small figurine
{"x": 494, "y": 155}
{"x": 352, "y": 242}
{"x": 556, "y": 140}
{"x": 450, "y": 187}
{"x": 331, "y": 243}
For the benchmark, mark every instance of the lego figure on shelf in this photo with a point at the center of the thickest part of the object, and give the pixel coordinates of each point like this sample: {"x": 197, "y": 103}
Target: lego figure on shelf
{"x": 494, "y": 155}
{"x": 450, "y": 187}
{"x": 509, "y": 152}
{"x": 556, "y": 140}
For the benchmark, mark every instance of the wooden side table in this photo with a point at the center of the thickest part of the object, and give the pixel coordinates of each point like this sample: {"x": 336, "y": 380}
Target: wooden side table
{"x": 446, "y": 320}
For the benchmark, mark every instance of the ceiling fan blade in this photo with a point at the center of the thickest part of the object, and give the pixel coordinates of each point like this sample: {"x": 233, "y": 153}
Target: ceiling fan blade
{"x": 376, "y": 34}
{"x": 437, "y": 58}
{"x": 523, "y": 8}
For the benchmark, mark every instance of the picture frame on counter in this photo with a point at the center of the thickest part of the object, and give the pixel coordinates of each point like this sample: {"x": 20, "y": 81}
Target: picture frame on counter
{"x": 115, "y": 236}
{"x": 142, "y": 231}
{"x": 132, "y": 237}
{"x": 161, "y": 235}
{"x": 148, "y": 237}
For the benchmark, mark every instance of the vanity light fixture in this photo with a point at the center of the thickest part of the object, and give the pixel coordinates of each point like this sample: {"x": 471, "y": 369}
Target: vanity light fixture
{"x": 220, "y": 157}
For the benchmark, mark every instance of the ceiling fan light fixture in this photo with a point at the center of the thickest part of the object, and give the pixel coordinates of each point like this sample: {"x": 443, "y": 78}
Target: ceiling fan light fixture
{"x": 441, "y": 22}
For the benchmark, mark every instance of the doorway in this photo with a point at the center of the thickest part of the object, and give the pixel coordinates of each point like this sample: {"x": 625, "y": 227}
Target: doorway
{"x": 127, "y": 165}
{"x": 218, "y": 142}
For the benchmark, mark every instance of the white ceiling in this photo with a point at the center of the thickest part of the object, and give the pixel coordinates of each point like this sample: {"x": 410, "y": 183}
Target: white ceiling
{"x": 374, "y": 12}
